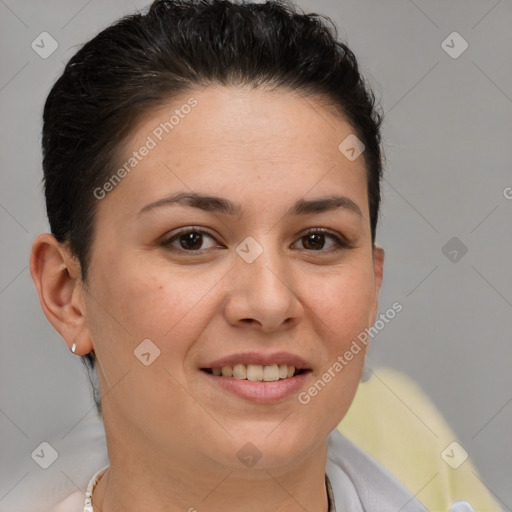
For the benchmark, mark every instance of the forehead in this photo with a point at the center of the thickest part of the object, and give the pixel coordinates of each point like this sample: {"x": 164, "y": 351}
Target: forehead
{"x": 239, "y": 142}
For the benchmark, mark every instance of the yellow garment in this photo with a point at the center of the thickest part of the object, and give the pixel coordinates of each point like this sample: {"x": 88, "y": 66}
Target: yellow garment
{"x": 387, "y": 420}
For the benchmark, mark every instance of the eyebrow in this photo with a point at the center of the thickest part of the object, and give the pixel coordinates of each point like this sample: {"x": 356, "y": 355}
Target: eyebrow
{"x": 216, "y": 204}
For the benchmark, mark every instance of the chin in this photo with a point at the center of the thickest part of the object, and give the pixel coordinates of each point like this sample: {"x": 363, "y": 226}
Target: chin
{"x": 264, "y": 448}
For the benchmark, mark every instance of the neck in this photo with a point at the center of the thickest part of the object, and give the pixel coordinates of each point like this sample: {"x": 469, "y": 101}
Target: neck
{"x": 133, "y": 483}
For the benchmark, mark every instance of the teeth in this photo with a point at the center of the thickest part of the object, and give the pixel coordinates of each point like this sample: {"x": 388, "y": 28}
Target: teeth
{"x": 227, "y": 371}
{"x": 271, "y": 373}
{"x": 240, "y": 371}
{"x": 256, "y": 372}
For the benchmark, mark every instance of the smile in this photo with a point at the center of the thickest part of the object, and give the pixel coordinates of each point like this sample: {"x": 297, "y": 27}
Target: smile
{"x": 256, "y": 372}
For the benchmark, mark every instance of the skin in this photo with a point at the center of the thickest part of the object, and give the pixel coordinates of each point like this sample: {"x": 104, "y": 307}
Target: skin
{"x": 172, "y": 435}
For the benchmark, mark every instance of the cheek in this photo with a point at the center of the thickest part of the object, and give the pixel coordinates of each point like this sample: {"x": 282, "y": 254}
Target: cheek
{"x": 342, "y": 308}
{"x": 344, "y": 302}
{"x": 131, "y": 305}
{"x": 167, "y": 306}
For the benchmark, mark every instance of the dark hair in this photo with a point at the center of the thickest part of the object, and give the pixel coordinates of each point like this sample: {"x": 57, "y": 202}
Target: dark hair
{"x": 144, "y": 60}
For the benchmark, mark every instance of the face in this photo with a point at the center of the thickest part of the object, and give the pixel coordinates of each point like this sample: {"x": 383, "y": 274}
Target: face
{"x": 270, "y": 274}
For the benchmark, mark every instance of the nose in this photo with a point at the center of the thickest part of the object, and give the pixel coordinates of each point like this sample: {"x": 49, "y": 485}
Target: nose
{"x": 262, "y": 294}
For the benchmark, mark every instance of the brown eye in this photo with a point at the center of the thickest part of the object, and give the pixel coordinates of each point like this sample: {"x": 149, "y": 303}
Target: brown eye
{"x": 191, "y": 241}
{"x": 188, "y": 240}
{"x": 315, "y": 241}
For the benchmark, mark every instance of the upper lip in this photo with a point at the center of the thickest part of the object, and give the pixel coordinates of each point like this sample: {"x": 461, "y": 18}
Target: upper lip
{"x": 261, "y": 359}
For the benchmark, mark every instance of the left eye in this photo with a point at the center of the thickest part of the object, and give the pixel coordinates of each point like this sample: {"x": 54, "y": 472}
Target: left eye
{"x": 317, "y": 237}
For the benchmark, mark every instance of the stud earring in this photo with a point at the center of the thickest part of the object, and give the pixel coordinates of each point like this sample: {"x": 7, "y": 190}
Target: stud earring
{"x": 73, "y": 348}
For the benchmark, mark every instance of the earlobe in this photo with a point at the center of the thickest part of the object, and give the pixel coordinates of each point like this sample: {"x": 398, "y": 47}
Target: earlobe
{"x": 56, "y": 275}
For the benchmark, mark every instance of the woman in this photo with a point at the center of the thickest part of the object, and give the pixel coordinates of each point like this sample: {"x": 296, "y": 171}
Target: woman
{"x": 212, "y": 178}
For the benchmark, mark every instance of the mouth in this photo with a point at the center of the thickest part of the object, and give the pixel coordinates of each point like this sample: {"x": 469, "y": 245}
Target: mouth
{"x": 258, "y": 377}
{"x": 257, "y": 372}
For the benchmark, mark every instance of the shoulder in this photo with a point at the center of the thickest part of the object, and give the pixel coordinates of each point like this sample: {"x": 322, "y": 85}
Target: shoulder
{"x": 380, "y": 423}
{"x": 72, "y": 503}
{"x": 374, "y": 484}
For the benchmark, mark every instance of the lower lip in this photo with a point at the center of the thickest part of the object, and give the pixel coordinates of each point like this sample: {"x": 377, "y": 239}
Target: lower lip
{"x": 262, "y": 392}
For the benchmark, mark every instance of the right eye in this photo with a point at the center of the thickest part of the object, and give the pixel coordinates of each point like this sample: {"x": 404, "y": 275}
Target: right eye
{"x": 189, "y": 240}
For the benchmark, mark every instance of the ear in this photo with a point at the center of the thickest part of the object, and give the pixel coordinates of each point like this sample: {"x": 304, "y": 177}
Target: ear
{"x": 56, "y": 275}
{"x": 378, "y": 272}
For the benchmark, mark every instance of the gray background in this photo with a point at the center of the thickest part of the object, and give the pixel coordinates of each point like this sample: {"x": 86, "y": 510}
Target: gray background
{"x": 447, "y": 137}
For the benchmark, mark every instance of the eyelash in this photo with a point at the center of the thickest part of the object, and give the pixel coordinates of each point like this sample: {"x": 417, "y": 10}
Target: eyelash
{"x": 340, "y": 242}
